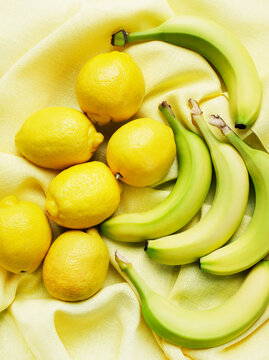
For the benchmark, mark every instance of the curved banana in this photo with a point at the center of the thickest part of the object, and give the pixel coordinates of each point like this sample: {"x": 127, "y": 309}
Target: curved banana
{"x": 185, "y": 199}
{"x": 253, "y": 244}
{"x": 220, "y": 48}
{"x": 207, "y": 328}
{"x": 225, "y": 214}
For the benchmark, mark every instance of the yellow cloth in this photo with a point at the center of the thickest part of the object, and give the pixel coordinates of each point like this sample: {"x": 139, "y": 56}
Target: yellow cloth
{"x": 43, "y": 46}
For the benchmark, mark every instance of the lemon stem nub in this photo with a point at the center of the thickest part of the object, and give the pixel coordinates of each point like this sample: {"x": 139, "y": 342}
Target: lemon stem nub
{"x": 118, "y": 176}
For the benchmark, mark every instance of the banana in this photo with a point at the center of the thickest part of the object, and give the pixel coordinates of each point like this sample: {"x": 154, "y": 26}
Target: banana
{"x": 185, "y": 199}
{"x": 253, "y": 244}
{"x": 207, "y": 328}
{"x": 225, "y": 214}
{"x": 220, "y": 48}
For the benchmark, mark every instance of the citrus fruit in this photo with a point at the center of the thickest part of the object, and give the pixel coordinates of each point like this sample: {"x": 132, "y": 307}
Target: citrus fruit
{"x": 25, "y": 235}
{"x": 58, "y": 137}
{"x": 76, "y": 265}
{"x": 110, "y": 87}
{"x": 141, "y": 151}
{"x": 83, "y": 195}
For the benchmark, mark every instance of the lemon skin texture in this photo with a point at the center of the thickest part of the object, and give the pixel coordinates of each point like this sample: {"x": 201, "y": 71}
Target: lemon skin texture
{"x": 83, "y": 195}
{"x": 76, "y": 265}
{"x": 25, "y": 235}
{"x": 110, "y": 87}
{"x": 141, "y": 151}
{"x": 58, "y": 137}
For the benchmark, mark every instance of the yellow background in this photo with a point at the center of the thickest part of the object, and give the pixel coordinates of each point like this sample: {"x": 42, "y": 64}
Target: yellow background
{"x": 43, "y": 46}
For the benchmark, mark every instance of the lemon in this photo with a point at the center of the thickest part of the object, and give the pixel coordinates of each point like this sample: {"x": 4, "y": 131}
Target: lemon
{"x": 83, "y": 195}
{"x": 141, "y": 151}
{"x": 25, "y": 235}
{"x": 109, "y": 87}
{"x": 76, "y": 265}
{"x": 58, "y": 137}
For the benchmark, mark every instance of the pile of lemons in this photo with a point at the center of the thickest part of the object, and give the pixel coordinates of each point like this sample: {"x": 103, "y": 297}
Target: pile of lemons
{"x": 109, "y": 87}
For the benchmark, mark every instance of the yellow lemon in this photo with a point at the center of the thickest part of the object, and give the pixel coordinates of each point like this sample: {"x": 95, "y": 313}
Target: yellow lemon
{"x": 141, "y": 151}
{"x": 76, "y": 265}
{"x": 25, "y": 235}
{"x": 110, "y": 87}
{"x": 58, "y": 137}
{"x": 83, "y": 195}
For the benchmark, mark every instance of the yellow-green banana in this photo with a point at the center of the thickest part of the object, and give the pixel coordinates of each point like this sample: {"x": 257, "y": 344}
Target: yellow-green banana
{"x": 207, "y": 328}
{"x": 183, "y": 202}
{"x": 253, "y": 244}
{"x": 220, "y": 48}
{"x": 225, "y": 214}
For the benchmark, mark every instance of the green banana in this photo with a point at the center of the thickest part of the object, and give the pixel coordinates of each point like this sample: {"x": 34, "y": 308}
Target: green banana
{"x": 185, "y": 199}
{"x": 253, "y": 244}
{"x": 207, "y": 328}
{"x": 226, "y": 212}
{"x": 220, "y": 48}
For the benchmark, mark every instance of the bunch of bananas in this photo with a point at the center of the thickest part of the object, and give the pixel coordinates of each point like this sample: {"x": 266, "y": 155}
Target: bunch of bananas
{"x": 232, "y": 164}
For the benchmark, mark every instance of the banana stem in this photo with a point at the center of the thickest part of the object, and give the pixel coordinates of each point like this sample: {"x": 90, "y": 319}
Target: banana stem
{"x": 122, "y": 261}
{"x": 234, "y": 139}
{"x": 217, "y": 121}
{"x": 174, "y": 123}
{"x": 199, "y": 121}
{"x": 122, "y": 37}
{"x": 119, "y": 38}
{"x": 164, "y": 106}
{"x": 195, "y": 108}
{"x": 141, "y": 286}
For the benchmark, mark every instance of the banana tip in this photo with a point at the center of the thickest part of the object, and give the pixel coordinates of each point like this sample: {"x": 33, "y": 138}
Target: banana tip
{"x": 146, "y": 245}
{"x": 240, "y": 126}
